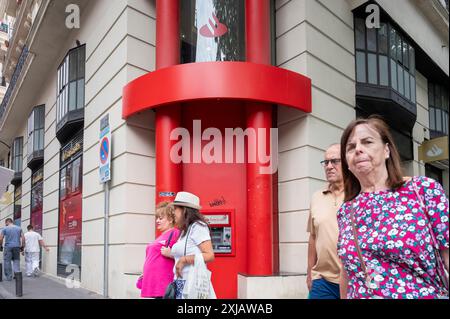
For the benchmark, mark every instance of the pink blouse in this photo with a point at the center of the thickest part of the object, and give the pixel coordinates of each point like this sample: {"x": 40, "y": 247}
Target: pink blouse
{"x": 157, "y": 268}
{"x": 395, "y": 241}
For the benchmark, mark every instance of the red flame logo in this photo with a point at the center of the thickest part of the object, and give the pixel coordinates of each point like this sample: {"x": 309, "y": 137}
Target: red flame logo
{"x": 216, "y": 29}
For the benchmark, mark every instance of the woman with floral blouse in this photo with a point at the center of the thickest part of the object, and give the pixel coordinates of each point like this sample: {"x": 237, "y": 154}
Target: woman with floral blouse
{"x": 393, "y": 220}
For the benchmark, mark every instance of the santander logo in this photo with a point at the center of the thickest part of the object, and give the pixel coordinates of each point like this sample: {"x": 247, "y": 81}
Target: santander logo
{"x": 215, "y": 29}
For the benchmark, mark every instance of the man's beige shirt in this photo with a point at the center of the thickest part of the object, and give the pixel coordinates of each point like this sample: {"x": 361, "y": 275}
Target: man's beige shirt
{"x": 323, "y": 224}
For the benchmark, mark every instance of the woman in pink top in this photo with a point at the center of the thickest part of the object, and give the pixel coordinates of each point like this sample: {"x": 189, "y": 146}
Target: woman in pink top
{"x": 158, "y": 266}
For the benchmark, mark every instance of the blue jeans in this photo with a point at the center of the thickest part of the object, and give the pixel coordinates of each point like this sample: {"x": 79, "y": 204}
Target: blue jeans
{"x": 11, "y": 254}
{"x": 322, "y": 289}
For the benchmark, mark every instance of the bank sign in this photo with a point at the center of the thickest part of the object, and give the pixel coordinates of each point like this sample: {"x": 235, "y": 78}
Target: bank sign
{"x": 434, "y": 150}
{"x": 104, "y": 166}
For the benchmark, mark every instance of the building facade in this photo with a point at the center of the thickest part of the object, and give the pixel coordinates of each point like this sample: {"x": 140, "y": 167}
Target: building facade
{"x": 68, "y": 64}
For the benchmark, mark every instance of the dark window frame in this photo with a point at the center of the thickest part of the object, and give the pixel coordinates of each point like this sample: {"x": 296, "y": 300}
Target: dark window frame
{"x": 36, "y": 132}
{"x": 398, "y": 59}
{"x": 64, "y": 166}
{"x": 64, "y": 81}
{"x": 71, "y": 93}
{"x": 439, "y": 93}
{"x": 17, "y": 207}
{"x": 188, "y": 31}
{"x": 17, "y": 155}
{"x": 37, "y": 185}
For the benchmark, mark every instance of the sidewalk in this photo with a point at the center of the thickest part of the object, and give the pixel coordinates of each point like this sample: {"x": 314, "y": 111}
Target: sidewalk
{"x": 44, "y": 287}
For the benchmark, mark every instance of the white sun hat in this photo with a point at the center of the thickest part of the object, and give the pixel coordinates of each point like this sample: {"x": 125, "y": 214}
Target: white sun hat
{"x": 186, "y": 199}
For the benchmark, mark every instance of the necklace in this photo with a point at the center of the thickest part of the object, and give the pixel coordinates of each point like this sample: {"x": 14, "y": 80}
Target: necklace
{"x": 335, "y": 197}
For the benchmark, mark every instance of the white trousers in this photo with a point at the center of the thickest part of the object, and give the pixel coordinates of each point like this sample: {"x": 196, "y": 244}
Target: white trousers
{"x": 31, "y": 262}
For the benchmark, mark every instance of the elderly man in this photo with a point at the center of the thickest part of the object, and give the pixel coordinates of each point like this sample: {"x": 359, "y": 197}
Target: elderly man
{"x": 14, "y": 243}
{"x": 323, "y": 261}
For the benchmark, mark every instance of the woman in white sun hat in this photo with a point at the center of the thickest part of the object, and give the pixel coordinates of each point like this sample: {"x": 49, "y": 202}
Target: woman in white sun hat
{"x": 195, "y": 237}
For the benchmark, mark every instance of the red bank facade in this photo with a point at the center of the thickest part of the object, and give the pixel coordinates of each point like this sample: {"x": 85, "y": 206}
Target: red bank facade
{"x": 221, "y": 76}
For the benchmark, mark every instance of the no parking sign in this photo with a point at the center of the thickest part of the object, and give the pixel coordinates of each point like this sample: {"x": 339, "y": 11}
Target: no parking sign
{"x": 105, "y": 150}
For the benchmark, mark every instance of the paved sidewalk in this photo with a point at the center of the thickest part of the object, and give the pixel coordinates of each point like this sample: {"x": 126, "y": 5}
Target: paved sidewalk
{"x": 44, "y": 287}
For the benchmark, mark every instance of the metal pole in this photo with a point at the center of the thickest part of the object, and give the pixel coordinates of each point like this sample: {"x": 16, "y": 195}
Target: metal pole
{"x": 106, "y": 242}
{"x": 1, "y": 272}
{"x": 19, "y": 290}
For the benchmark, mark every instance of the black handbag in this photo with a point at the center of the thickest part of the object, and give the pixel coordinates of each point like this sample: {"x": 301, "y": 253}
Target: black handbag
{"x": 171, "y": 290}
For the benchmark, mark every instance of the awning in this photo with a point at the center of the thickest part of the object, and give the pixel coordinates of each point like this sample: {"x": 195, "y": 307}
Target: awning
{"x": 242, "y": 81}
{"x": 6, "y": 176}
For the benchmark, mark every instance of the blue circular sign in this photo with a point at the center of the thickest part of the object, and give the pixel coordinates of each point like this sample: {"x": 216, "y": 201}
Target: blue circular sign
{"x": 104, "y": 150}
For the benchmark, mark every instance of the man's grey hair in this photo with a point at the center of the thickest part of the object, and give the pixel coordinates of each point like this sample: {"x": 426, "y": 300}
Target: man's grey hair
{"x": 332, "y": 145}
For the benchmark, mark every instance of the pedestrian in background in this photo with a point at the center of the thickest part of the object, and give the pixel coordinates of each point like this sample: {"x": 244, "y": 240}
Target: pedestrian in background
{"x": 14, "y": 243}
{"x": 33, "y": 244}
{"x": 323, "y": 262}
{"x": 388, "y": 222}
{"x": 158, "y": 266}
{"x": 195, "y": 238}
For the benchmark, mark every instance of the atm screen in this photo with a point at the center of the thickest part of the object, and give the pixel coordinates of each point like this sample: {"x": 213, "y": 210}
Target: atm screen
{"x": 221, "y": 239}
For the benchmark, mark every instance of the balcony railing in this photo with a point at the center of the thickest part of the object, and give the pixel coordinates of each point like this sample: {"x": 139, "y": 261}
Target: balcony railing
{"x": 12, "y": 84}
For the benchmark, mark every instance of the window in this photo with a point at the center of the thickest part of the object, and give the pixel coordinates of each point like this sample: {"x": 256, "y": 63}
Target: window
{"x": 17, "y": 214}
{"x": 385, "y": 58}
{"x": 70, "y": 205}
{"x": 17, "y": 155}
{"x": 212, "y": 30}
{"x": 438, "y": 109}
{"x": 36, "y": 130}
{"x": 37, "y": 199}
{"x": 70, "y": 83}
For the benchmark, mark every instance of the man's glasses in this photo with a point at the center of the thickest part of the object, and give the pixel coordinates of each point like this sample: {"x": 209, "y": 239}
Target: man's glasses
{"x": 333, "y": 161}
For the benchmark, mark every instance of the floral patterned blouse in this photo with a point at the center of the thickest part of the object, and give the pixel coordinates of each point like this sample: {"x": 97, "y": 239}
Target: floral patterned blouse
{"x": 395, "y": 241}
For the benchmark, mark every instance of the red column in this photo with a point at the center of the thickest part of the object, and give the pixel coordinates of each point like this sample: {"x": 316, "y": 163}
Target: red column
{"x": 259, "y": 186}
{"x": 168, "y": 174}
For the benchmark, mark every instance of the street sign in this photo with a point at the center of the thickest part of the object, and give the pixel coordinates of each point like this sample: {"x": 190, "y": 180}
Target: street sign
{"x": 105, "y": 150}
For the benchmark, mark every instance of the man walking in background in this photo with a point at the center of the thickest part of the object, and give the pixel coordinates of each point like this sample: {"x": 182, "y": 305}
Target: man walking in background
{"x": 323, "y": 261}
{"x": 14, "y": 243}
{"x": 33, "y": 243}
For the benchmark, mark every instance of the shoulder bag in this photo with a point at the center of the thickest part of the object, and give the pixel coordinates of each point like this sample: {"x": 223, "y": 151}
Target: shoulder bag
{"x": 171, "y": 290}
{"x": 442, "y": 272}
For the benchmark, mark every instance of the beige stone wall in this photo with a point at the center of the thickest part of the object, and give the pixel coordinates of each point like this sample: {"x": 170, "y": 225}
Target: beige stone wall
{"x": 120, "y": 46}
{"x": 421, "y": 128}
{"x": 7, "y": 205}
{"x": 314, "y": 38}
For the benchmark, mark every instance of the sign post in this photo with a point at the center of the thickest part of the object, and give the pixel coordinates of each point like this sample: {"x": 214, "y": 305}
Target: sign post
{"x": 105, "y": 150}
{"x": 105, "y": 176}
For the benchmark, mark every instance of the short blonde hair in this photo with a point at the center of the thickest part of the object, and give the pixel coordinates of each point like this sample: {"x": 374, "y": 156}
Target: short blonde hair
{"x": 164, "y": 209}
